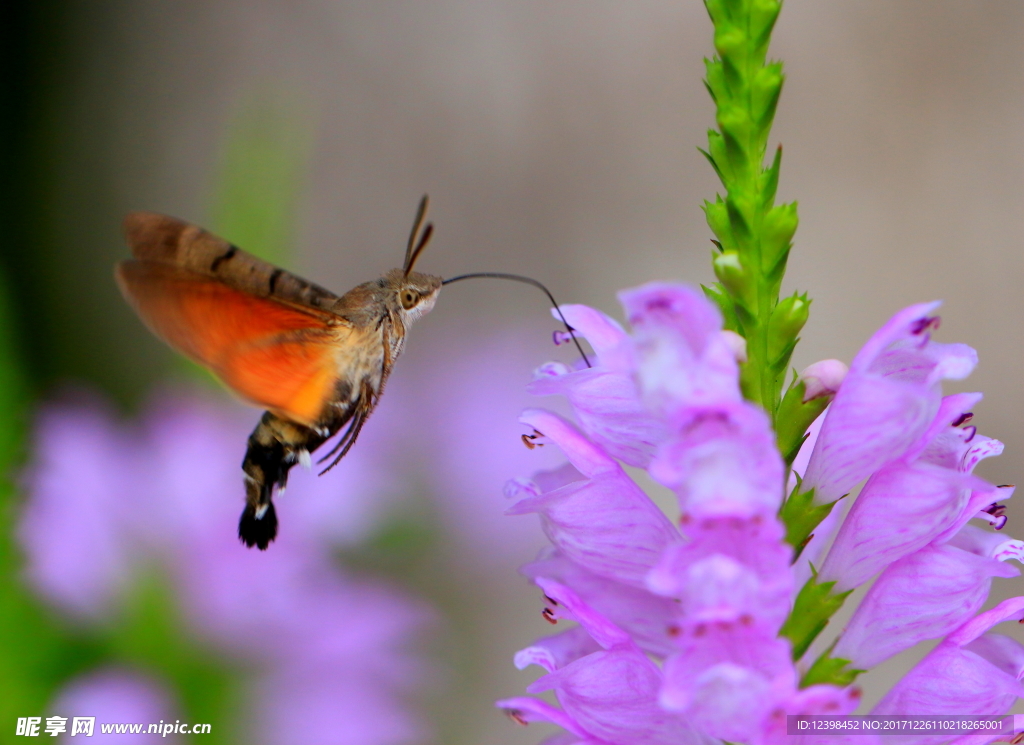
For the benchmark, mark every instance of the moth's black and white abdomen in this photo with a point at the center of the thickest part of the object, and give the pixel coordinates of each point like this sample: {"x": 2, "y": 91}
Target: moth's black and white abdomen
{"x": 274, "y": 448}
{"x": 258, "y": 526}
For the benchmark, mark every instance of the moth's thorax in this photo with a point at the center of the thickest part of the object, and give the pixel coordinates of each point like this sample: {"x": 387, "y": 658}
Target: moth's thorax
{"x": 379, "y": 321}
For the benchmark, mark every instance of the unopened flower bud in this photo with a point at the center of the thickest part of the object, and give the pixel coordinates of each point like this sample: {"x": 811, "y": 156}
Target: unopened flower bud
{"x": 823, "y": 378}
{"x": 787, "y": 319}
{"x": 734, "y": 277}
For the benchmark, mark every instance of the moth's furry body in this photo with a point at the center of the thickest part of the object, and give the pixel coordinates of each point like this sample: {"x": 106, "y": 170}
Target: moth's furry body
{"x": 376, "y": 336}
{"x": 317, "y": 362}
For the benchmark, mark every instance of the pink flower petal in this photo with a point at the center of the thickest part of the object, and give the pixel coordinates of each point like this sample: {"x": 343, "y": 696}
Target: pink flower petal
{"x": 885, "y": 404}
{"x": 722, "y": 461}
{"x": 755, "y": 544}
{"x": 924, "y": 595}
{"x": 681, "y": 356}
{"x": 965, "y": 674}
{"x": 823, "y": 378}
{"x": 609, "y": 409}
{"x": 647, "y": 617}
{"x": 604, "y": 333}
{"x": 901, "y": 509}
{"x": 607, "y": 524}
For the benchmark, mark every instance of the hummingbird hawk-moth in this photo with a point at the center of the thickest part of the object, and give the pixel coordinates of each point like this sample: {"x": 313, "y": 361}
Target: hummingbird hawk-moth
{"x": 315, "y": 361}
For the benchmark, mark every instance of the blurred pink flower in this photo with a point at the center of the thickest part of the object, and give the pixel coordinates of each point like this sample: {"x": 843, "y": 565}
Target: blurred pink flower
{"x": 166, "y": 491}
{"x": 707, "y": 599}
{"x": 116, "y": 696}
{"x": 74, "y": 526}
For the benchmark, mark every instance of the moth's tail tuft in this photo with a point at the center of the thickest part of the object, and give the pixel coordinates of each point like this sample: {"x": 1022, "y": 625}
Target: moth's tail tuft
{"x": 258, "y": 531}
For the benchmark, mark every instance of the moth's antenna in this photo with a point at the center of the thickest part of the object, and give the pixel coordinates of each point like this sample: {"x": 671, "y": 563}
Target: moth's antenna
{"x": 529, "y": 281}
{"x": 413, "y": 248}
{"x": 424, "y": 239}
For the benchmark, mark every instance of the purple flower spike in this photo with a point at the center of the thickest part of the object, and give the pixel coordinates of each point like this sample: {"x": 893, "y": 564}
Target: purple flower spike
{"x": 605, "y": 523}
{"x": 885, "y": 403}
{"x": 922, "y": 596}
{"x": 718, "y": 594}
{"x": 969, "y": 672}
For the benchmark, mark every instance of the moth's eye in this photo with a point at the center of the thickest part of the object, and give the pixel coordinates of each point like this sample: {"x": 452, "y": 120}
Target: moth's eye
{"x": 409, "y": 298}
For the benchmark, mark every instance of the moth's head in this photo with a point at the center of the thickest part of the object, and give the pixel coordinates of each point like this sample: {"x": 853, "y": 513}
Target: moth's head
{"x": 412, "y": 294}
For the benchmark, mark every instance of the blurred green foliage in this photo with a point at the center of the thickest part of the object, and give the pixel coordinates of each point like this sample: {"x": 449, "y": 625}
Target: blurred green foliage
{"x": 261, "y": 172}
{"x": 151, "y": 636}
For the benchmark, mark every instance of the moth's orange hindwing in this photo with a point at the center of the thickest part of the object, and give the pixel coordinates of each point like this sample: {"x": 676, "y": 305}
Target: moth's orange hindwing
{"x": 281, "y": 357}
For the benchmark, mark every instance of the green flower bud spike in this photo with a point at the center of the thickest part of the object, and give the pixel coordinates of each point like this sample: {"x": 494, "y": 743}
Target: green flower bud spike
{"x": 754, "y": 235}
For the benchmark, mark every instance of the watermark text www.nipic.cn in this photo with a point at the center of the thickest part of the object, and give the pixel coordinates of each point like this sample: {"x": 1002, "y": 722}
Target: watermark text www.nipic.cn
{"x": 53, "y": 726}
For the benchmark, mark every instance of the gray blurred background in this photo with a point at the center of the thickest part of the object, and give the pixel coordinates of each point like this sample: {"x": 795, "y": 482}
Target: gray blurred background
{"x": 558, "y": 139}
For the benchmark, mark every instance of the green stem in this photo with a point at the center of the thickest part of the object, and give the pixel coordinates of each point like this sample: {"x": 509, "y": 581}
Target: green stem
{"x": 753, "y": 239}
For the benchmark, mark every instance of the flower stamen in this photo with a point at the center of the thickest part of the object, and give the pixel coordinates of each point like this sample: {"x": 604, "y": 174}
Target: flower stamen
{"x": 516, "y": 716}
{"x": 995, "y": 513}
{"x": 531, "y": 440}
{"x": 923, "y": 324}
